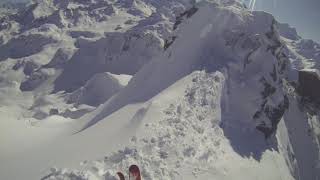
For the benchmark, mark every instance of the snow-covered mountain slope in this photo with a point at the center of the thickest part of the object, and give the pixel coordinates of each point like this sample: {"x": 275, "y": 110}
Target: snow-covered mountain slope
{"x": 9, "y": 7}
{"x": 217, "y": 92}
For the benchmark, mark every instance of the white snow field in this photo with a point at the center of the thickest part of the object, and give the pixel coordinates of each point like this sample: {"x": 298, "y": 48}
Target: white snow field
{"x": 184, "y": 89}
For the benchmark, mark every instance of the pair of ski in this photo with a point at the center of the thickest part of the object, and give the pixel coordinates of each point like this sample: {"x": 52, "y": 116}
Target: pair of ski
{"x": 134, "y": 173}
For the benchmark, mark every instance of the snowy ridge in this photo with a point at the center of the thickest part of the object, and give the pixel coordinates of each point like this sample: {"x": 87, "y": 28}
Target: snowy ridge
{"x": 213, "y": 85}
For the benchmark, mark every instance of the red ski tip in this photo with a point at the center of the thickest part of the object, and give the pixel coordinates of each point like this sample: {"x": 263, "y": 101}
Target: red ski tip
{"x": 134, "y": 172}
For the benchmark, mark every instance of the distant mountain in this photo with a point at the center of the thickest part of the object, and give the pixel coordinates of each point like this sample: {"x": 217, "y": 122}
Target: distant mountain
{"x": 9, "y": 7}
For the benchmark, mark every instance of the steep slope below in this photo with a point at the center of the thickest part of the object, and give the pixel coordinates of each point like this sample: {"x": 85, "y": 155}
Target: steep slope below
{"x": 248, "y": 51}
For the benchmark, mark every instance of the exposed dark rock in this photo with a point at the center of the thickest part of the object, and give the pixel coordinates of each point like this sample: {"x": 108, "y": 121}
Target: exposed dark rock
{"x": 270, "y": 113}
{"x": 60, "y": 58}
{"x": 29, "y": 68}
{"x": 254, "y": 45}
{"x": 23, "y": 46}
{"x": 309, "y": 85}
{"x": 268, "y": 89}
{"x": 33, "y": 81}
{"x": 129, "y": 22}
{"x": 86, "y": 34}
{"x": 118, "y": 28}
{"x": 168, "y": 43}
{"x": 25, "y": 16}
{"x": 53, "y": 112}
{"x": 18, "y": 65}
{"x": 232, "y": 38}
{"x": 186, "y": 14}
{"x": 259, "y": 113}
{"x": 274, "y": 114}
{"x": 273, "y": 74}
{"x": 75, "y": 114}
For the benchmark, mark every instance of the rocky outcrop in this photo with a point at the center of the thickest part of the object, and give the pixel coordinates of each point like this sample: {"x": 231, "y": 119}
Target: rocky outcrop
{"x": 309, "y": 85}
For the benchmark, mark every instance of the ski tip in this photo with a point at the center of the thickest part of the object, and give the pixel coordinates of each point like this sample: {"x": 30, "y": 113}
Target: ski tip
{"x": 121, "y": 176}
{"x": 135, "y": 172}
{"x": 134, "y": 168}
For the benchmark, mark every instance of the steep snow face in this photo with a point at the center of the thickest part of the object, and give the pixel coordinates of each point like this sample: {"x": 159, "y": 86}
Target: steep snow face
{"x": 241, "y": 45}
{"x": 213, "y": 86}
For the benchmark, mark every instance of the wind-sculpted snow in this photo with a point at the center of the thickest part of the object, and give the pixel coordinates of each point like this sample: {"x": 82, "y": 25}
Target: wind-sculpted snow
{"x": 214, "y": 92}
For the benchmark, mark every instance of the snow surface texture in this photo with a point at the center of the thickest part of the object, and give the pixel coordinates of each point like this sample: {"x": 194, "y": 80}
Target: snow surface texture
{"x": 185, "y": 89}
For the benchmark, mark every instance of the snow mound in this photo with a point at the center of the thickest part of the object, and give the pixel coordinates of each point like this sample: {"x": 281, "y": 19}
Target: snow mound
{"x": 98, "y": 89}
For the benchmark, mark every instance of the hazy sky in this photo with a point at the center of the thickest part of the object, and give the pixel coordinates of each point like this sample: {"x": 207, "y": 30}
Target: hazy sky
{"x": 304, "y": 15}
